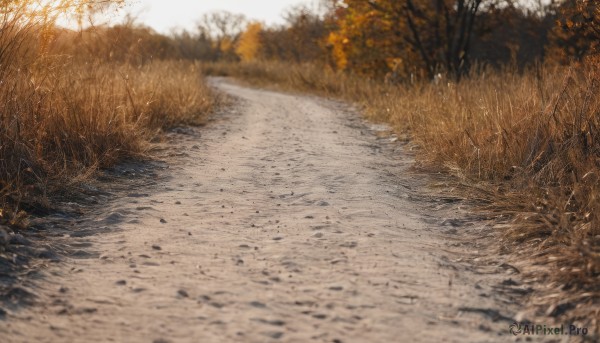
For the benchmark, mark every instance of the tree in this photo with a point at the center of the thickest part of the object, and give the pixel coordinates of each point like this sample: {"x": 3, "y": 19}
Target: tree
{"x": 249, "y": 43}
{"x": 224, "y": 29}
{"x": 365, "y": 38}
{"x": 512, "y": 34}
{"x": 577, "y": 33}
{"x": 299, "y": 40}
{"x": 193, "y": 46}
{"x": 383, "y": 32}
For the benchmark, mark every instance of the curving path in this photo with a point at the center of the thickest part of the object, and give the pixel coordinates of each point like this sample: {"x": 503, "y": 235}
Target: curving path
{"x": 281, "y": 221}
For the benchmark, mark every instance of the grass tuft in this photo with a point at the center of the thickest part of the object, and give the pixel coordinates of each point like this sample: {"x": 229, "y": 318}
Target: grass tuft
{"x": 64, "y": 116}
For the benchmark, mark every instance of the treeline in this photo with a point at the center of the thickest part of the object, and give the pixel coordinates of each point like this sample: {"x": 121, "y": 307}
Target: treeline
{"x": 218, "y": 36}
{"x": 402, "y": 40}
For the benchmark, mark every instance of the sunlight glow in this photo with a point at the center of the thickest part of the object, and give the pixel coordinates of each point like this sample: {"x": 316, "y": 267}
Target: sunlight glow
{"x": 164, "y": 16}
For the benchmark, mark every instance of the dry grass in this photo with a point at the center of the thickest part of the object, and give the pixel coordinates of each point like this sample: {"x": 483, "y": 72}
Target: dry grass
{"x": 62, "y": 121}
{"x": 63, "y": 116}
{"x": 531, "y": 141}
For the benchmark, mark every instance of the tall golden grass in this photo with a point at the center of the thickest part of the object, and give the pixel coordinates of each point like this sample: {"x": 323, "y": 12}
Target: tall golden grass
{"x": 526, "y": 142}
{"x": 64, "y": 113}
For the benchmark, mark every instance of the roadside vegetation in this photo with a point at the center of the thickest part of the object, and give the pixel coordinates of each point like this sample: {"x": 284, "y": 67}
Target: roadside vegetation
{"x": 73, "y": 102}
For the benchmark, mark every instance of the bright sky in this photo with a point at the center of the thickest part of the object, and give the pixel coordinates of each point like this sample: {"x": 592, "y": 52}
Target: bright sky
{"x": 163, "y": 15}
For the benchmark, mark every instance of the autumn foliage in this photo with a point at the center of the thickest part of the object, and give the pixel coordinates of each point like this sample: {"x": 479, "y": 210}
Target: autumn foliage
{"x": 410, "y": 36}
{"x": 249, "y": 44}
{"x": 418, "y": 39}
{"x": 577, "y": 33}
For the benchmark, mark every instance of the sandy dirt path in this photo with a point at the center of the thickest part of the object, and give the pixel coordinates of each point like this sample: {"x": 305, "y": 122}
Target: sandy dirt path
{"x": 283, "y": 220}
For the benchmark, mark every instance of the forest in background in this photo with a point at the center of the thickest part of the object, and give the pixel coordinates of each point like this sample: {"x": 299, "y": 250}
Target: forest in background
{"x": 404, "y": 39}
{"x": 500, "y": 94}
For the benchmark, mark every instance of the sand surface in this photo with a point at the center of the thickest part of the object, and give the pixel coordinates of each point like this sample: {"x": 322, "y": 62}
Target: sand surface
{"x": 285, "y": 219}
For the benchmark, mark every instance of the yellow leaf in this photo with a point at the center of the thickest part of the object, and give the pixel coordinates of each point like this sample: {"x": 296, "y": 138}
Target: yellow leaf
{"x": 569, "y": 23}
